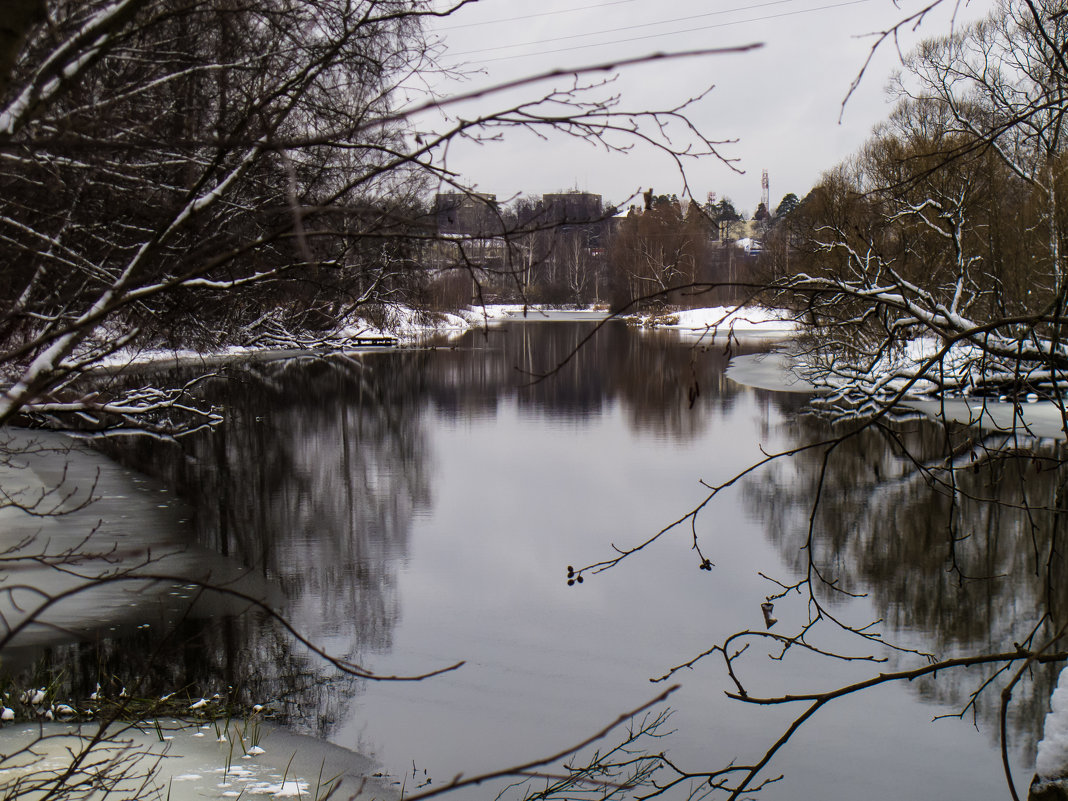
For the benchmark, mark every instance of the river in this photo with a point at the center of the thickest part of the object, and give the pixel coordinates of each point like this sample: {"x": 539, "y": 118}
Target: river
{"x": 411, "y": 509}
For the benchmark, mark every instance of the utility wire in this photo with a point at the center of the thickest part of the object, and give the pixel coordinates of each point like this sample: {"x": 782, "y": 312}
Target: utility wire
{"x": 667, "y": 33}
{"x": 534, "y": 16}
{"x": 632, "y": 27}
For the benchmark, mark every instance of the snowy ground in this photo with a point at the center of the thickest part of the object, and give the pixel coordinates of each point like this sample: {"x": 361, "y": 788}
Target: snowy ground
{"x": 780, "y": 372}
{"x": 544, "y": 313}
{"x": 777, "y": 372}
{"x": 405, "y": 325}
{"x": 1051, "y": 762}
{"x": 718, "y": 321}
{"x": 910, "y": 366}
{"x": 706, "y": 322}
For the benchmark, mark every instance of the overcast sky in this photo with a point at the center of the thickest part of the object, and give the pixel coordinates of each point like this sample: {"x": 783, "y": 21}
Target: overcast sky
{"x": 780, "y": 102}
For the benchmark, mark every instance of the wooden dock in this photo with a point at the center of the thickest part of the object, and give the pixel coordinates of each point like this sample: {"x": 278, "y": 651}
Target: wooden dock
{"x": 377, "y": 341}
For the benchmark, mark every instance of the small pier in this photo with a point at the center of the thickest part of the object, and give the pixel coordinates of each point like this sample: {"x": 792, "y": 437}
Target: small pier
{"x": 375, "y": 341}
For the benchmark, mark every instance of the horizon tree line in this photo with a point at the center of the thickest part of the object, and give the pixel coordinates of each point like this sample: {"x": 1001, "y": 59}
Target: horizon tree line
{"x": 572, "y": 248}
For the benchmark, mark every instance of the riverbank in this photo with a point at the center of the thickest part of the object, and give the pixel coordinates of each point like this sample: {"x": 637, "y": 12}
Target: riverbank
{"x": 406, "y": 327}
{"x": 97, "y": 521}
{"x": 402, "y": 325}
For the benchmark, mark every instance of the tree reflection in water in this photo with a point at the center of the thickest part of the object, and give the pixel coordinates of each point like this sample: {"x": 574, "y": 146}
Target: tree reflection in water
{"x": 953, "y": 536}
{"x": 317, "y": 471}
{"x": 552, "y": 368}
{"x": 322, "y": 466}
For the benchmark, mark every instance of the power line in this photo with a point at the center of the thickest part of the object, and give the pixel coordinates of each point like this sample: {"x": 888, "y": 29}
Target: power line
{"x": 535, "y": 16}
{"x": 630, "y": 27}
{"x": 667, "y": 33}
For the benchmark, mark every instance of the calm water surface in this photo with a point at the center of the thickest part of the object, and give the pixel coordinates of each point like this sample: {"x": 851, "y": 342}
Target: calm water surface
{"x": 419, "y": 508}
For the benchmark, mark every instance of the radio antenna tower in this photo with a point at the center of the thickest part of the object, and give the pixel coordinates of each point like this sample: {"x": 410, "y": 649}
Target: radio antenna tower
{"x": 765, "y": 194}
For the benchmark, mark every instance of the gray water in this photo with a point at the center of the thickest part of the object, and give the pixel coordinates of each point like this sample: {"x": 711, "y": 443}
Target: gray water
{"x": 416, "y": 509}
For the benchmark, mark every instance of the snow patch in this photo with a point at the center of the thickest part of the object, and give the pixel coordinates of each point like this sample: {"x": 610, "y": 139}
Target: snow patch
{"x": 236, "y": 771}
{"x": 1051, "y": 761}
{"x": 721, "y": 319}
{"x": 492, "y": 313}
{"x": 286, "y": 789}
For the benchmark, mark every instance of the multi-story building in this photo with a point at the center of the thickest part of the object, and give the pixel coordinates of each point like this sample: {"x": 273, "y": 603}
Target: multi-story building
{"x": 572, "y": 208}
{"x": 467, "y": 214}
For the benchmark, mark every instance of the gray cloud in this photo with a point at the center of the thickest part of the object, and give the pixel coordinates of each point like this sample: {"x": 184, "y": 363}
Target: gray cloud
{"x": 781, "y": 103}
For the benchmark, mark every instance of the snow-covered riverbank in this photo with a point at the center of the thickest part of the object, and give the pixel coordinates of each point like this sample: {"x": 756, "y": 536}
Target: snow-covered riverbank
{"x": 409, "y": 327}
{"x": 72, "y": 517}
{"x": 402, "y": 325}
{"x": 87, "y": 518}
{"x": 1030, "y": 417}
{"x": 722, "y": 321}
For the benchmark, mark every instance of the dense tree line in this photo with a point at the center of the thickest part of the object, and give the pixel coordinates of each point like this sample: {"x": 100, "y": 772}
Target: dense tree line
{"x": 661, "y": 253}
{"x": 936, "y": 206}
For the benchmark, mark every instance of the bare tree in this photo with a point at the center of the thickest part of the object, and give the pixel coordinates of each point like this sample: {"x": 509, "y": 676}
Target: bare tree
{"x": 167, "y": 164}
{"x": 935, "y": 258}
{"x": 200, "y": 170}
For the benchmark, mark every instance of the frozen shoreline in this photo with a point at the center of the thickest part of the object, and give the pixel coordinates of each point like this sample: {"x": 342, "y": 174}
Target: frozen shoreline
{"x": 777, "y": 372}
{"x": 130, "y": 518}
{"x": 410, "y": 328}
{"x": 195, "y": 760}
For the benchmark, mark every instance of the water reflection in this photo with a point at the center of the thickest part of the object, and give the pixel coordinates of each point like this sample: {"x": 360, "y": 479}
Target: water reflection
{"x": 667, "y": 386}
{"x": 315, "y": 477}
{"x": 951, "y": 534}
{"x": 312, "y": 481}
{"x": 416, "y": 507}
